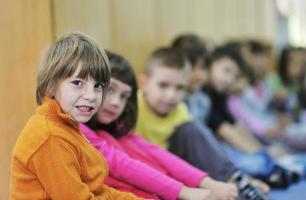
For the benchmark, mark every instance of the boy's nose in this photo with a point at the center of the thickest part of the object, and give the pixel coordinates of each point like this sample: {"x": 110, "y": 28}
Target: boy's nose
{"x": 171, "y": 94}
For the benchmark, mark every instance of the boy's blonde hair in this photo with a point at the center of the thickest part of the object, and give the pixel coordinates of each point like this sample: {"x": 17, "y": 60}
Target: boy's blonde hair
{"x": 64, "y": 57}
{"x": 168, "y": 57}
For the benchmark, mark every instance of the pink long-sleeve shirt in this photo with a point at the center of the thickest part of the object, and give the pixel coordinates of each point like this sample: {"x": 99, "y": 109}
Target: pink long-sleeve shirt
{"x": 134, "y": 161}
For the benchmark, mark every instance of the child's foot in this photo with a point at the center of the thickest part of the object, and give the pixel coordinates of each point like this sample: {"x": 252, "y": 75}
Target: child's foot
{"x": 262, "y": 186}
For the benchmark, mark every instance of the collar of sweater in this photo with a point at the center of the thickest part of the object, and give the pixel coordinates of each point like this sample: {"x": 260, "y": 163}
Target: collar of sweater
{"x": 51, "y": 108}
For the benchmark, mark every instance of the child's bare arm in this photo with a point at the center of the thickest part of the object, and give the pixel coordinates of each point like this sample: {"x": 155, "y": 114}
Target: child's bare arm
{"x": 238, "y": 137}
{"x": 188, "y": 193}
{"x": 220, "y": 190}
{"x": 279, "y": 127}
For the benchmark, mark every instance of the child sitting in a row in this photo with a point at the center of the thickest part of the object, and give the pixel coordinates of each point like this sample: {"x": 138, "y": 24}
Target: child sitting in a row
{"x": 164, "y": 119}
{"x": 52, "y": 159}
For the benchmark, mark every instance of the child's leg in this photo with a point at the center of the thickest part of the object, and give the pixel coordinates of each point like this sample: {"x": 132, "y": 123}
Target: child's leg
{"x": 245, "y": 161}
{"x": 195, "y": 143}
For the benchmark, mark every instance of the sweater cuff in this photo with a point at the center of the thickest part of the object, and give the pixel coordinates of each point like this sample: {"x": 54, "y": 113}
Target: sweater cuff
{"x": 173, "y": 194}
{"x": 196, "y": 178}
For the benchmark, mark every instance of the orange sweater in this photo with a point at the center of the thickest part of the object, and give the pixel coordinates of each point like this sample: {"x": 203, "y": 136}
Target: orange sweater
{"x": 53, "y": 160}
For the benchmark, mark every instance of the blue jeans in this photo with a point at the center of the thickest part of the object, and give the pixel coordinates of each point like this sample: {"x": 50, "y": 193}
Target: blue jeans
{"x": 255, "y": 164}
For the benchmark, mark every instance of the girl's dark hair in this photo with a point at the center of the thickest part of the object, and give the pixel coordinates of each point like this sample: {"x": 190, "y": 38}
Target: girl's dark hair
{"x": 256, "y": 46}
{"x": 226, "y": 52}
{"x": 283, "y": 63}
{"x": 246, "y": 71}
{"x": 192, "y": 46}
{"x": 302, "y": 94}
{"x": 121, "y": 70}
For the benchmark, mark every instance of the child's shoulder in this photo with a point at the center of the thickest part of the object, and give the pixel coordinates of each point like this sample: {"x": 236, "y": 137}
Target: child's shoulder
{"x": 37, "y": 131}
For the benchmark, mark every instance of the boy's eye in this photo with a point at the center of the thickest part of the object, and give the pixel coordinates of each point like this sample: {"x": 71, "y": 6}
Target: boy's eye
{"x": 99, "y": 86}
{"x": 163, "y": 85}
{"x": 77, "y": 82}
{"x": 180, "y": 87}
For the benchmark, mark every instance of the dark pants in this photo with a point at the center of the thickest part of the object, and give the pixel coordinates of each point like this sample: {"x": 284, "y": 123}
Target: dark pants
{"x": 195, "y": 143}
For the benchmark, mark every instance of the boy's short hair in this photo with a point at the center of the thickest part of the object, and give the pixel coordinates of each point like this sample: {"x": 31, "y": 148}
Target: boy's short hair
{"x": 167, "y": 57}
{"x": 192, "y": 46}
{"x": 63, "y": 58}
{"x": 256, "y": 47}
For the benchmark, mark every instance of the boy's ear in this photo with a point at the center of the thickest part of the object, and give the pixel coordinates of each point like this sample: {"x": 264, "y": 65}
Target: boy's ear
{"x": 143, "y": 80}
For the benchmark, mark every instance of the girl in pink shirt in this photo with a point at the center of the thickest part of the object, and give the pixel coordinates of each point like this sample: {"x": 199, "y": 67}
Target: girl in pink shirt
{"x": 136, "y": 165}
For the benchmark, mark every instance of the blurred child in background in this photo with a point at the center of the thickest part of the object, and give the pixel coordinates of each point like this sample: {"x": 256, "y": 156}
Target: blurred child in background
{"x": 263, "y": 113}
{"x": 164, "y": 119}
{"x": 290, "y": 70}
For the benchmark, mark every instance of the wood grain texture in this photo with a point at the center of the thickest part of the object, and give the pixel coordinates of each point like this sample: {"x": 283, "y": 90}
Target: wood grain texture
{"x": 25, "y": 33}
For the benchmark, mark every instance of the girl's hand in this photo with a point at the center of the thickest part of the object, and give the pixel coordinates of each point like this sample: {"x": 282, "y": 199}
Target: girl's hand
{"x": 220, "y": 190}
{"x": 188, "y": 193}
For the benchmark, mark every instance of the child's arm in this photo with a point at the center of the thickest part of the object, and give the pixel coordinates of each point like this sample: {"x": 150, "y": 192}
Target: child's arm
{"x": 57, "y": 168}
{"x": 262, "y": 124}
{"x": 184, "y": 171}
{"x": 132, "y": 171}
{"x": 220, "y": 190}
{"x": 238, "y": 137}
{"x": 116, "y": 194}
{"x": 242, "y": 113}
{"x": 176, "y": 167}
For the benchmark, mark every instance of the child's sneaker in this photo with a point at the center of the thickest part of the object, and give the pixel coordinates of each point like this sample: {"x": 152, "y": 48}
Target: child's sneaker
{"x": 246, "y": 190}
{"x": 281, "y": 178}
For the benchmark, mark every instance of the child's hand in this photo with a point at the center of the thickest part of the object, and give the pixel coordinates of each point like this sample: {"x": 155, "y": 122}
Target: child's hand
{"x": 263, "y": 187}
{"x": 274, "y": 132}
{"x": 284, "y": 120}
{"x": 188, "y": 193}
{"x": 220, "y": 190}
{"x": 280, "y": 95}
{"x": 278, "y": 130}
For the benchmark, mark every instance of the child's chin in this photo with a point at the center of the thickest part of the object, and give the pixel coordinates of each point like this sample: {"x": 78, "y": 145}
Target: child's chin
{"x": 83, "y": 119}
{"x": 163, "y": 112}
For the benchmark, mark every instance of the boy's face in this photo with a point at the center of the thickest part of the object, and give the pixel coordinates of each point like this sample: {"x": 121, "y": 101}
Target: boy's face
{"x": 80, "y": 98}
{"x": 260, "y": 65}
{"x": 164, "y": 88}
{"x": 198, "y": 76}
{"x": 258, "y": 62}
{"x": 223, "y": 73}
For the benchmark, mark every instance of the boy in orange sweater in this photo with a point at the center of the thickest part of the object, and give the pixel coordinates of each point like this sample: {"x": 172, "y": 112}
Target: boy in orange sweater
{"x": 52, "y": 159}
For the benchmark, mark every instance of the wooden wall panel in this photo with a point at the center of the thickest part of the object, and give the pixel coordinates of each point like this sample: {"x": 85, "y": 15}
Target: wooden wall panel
{"x": 91, "y": 17}
{"x": 25, "y": 32}
{"x": 135, "y": 28}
